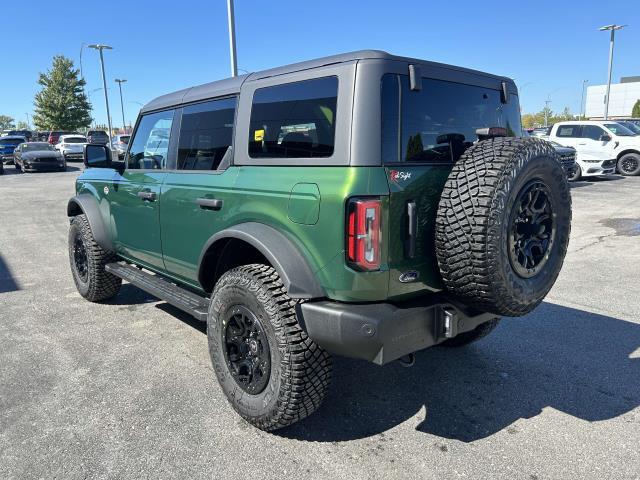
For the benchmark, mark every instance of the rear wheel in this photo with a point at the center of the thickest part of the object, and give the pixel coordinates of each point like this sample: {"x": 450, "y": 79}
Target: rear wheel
{"x": 88, "y": 260}
{"x": 271, "y": 372}
{"x": 629, "y": 164}
{"x": 503, "y": 224}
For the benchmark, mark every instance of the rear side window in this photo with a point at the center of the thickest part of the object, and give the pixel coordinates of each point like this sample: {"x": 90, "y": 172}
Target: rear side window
{"x": 294, "y": 120}
{"x": 206, "y": 132}
{"x": 150, "y": 144}
{"x": 568, "y": 131}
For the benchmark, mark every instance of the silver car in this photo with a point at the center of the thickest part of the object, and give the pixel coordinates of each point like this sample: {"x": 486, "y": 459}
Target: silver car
{"x": 72, "y": 146}
{"x": 119, "y": 144}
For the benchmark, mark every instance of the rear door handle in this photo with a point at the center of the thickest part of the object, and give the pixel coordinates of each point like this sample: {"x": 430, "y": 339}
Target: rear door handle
{"x": 148, "y": 196}
{"x": 209, "y": 203}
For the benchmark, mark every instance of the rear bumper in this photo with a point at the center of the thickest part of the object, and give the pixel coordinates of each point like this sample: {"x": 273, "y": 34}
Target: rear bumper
{"x": 382, "y": 332}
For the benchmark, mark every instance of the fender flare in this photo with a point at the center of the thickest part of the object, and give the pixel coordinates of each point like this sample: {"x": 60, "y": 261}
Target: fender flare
{"x": 294, "y": 270}
{"x": 87, "y": 204}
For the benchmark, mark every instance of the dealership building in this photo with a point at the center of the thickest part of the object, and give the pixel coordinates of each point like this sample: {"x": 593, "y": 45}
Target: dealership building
{"x": 624, "y": 96}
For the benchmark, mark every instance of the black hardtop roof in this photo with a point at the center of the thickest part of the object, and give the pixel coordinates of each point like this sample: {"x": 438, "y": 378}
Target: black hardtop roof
{"x": 230, "y": 86}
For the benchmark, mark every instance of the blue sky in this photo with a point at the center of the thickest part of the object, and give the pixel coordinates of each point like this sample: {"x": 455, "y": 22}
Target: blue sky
{"x": 548, "y": 47}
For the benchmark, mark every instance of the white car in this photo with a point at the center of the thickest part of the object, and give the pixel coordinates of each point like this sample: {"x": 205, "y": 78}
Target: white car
{"x": 602, "y": 146}
{"x": 72, "y": 146}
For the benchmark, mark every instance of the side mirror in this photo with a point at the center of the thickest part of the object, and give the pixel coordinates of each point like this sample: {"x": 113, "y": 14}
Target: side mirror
{"x": 97, "y": 156}
{"x": 605, "y": 137}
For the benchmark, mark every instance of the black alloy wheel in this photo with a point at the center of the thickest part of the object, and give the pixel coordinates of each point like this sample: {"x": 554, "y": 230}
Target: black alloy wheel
{"x": 246, "y": 349}
{"x": 80, "y": 258}
{"x": 629, "y": 164}
{"x": 532, "y": 229}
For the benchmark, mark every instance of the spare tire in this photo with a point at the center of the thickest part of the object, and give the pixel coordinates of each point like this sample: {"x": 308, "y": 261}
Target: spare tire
{"x": 503, "y": 225}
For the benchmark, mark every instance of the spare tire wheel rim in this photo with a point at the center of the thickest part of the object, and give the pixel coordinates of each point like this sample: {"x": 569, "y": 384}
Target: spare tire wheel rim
{"x": 532, "y": 229}
{"x": 246, "y": 349}
{"x": 80, "y": 258}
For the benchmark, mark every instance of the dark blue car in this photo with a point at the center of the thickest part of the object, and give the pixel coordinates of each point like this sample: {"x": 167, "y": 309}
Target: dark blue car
{"x": 7, "y": 145}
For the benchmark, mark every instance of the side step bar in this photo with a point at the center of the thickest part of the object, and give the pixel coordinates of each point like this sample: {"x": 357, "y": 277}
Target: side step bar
{"x": 157, "y": 286}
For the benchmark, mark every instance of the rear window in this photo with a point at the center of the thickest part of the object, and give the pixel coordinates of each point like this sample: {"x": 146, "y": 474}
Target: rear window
{"x": 437, "y": 123}
{"x": 294, "y": 120}
{"x": 124, "y": 138}
{"x": 568, "y": 131}
{"x": 75, "y": 140}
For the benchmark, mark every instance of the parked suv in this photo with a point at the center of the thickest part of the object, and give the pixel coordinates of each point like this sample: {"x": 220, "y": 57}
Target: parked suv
{"x": 364, "y": 205}
{"x": 97, "y": 136}
{"x": 71, "y": 146}
{"x": 602, "y": 146}
{"x": 7, "y": 145}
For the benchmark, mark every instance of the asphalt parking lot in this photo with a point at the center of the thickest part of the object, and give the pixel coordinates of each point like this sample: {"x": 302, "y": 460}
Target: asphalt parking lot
{"x": 126, "y": 389}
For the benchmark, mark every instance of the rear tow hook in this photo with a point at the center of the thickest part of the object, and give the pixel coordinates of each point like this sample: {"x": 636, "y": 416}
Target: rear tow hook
{"x": 408, "y": 360}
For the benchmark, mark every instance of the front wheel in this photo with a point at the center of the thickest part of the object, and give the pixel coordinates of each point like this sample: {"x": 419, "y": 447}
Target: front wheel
{"x": 88, "y": 260}
{"x": 576, "y": 174}
{"x": 629, "y": 164}
{"x": 271, "y": 372}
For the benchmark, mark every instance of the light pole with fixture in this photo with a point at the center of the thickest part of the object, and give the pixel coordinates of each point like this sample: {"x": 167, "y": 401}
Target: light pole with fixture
{"x": 583, "y": 105}
{"x": 101, "y": 47}
{"x": 613, "y": 29}
{"x": 232, "y": 38}
{"x": 120, "y": 82}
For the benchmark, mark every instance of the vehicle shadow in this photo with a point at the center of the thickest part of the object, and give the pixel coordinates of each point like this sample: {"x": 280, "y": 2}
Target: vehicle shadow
{"x": 585, "y": 182}
{"x": 7, "y": 282}
{"x": 577, "y": 362}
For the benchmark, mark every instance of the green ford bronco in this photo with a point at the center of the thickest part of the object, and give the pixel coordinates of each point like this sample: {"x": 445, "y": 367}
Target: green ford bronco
{"x": 363, "y": 204}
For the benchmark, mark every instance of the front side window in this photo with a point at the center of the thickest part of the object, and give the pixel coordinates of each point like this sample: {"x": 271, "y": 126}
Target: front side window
{"x": 619, "y": 130}
{"x": 592, "y": 132}
{"x": 206, "y": 133}
{"x": 294, "y": 120}
{"x": 438, "y": 123}
{"x": 568, "y": 131}
{"x": 150, "y": 145}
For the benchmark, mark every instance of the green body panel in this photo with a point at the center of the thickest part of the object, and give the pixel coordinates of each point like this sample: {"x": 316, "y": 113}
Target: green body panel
{"x": 185, "y": 226}
{"x": 423, "y": 185}
{"x": 169, "y": 235}
{"x": 135, "y": 223}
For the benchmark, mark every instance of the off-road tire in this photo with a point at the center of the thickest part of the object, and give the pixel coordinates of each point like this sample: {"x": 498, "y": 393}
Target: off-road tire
{"x": 629, "y": 164}
{"x": 471, "y": 336}
{"x": 99, "y": 284}
{"x": 300, "y": 370}
{"x": 474, "y": 218}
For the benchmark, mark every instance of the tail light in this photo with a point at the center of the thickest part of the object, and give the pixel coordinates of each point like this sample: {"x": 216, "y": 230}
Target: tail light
{"x": 363, "y": 233}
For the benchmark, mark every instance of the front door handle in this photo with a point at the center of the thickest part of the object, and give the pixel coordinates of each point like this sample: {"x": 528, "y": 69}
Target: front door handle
{"x": 148, "y": 196}
{"x": 210, "y": 203}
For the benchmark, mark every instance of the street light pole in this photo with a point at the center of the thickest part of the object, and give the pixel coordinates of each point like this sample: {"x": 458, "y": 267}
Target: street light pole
{"x": 120, "y": 82}
{"x": 613, "y": 29}
{"x": 546, "y": 112}
{"x": 100, "y": 47}
{"x": 583, "y": 105}
{"x": 232, "y": 38}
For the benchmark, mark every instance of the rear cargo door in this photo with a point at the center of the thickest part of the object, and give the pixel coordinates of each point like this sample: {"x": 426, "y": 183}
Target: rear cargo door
{"x": 424, "y": 131}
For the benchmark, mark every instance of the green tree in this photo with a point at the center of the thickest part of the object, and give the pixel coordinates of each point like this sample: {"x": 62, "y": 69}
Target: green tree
{"x": 635, "y": 113}
{"x": 22, "y": 125}
{"x": 414, "y": 146}
{"x": 6, "y": 122}
{"x": 62, "y": 103}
